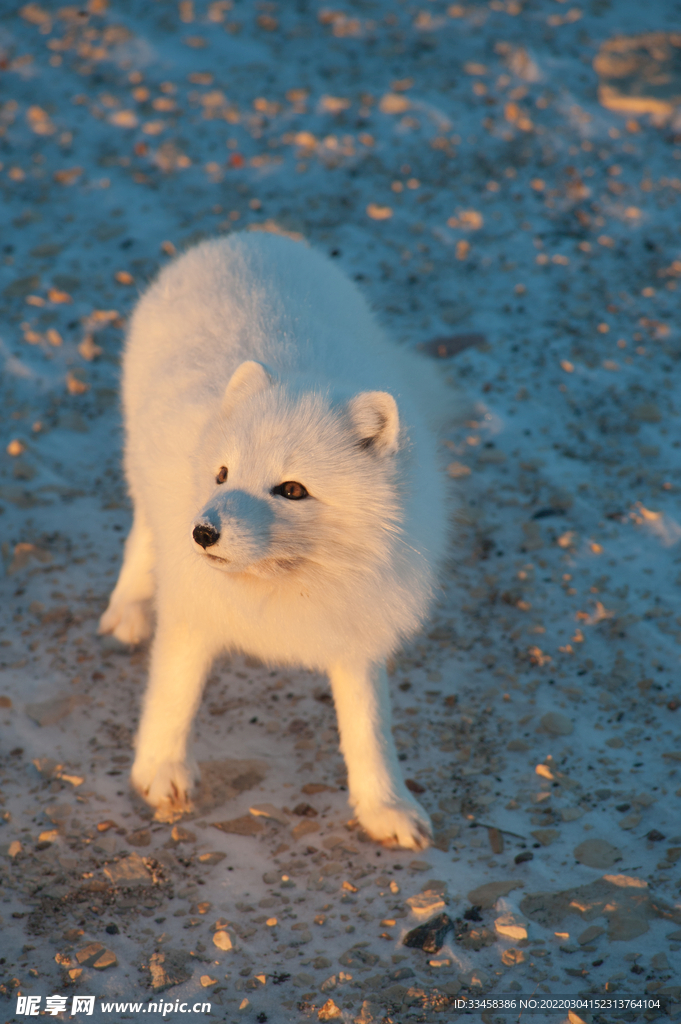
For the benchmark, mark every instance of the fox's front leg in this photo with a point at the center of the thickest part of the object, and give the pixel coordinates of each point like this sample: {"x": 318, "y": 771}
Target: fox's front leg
{"x": 164, "y": 771}
{"x": 384, "y": 806}
{"x": 128, "y": 614}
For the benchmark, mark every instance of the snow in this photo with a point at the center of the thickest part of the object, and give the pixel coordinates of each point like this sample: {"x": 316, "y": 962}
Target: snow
{"x": 503, "y": 200}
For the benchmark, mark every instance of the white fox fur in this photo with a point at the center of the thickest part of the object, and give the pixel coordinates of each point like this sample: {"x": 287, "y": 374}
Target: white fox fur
{"x": 257, "y": 354}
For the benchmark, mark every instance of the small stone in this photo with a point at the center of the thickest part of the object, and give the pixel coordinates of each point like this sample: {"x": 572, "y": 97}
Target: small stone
{"x": 129, "y": 871}
{"x": 485, "y": 896}
{"x": 511, "y": 927}
{"x": 22, "y": 286}
{"x": 104, "y": 826}
{"x": 629, "y": 821}
{"x": 358, "y": 957}
{"x": 496, "y": 840}
{"x": 643, "y": 799}
{"x": 302, "y": 980}
{"x": 589, "y": 934}
{"x": 521, "y": 858}
{"x": 511, "y": 957}
{"x": 222, "y": 940}
{"x": 395, "y": 993}
{"x": 211, "y": 858}
{"x": 88, "y": 954}
{"x": 654, "y": 836}
{"x": 597, "y": 853}
{"x": 546, "y": 836}
{"x": 414, "y": 787}
{"x": 141, "y": 837}
{"x": 571, "y": 813}
{"x": 556, "y": 724}
{"x": 435, "y": 886}
{"x": 48, "y": 712}
{"x": 518, "y": 745}
{"x": 304, "y": 810}
{"x": 419, "y": 865}
{"x": 269, "y": 811}
{"x": 425, "y": 904}
{"x": 246, "y": 825}
{"x": 429, "y": 937}
{"x": 304, "y": 828}
{"x": 107, "y": 959}
{"x": 207, "y": 981}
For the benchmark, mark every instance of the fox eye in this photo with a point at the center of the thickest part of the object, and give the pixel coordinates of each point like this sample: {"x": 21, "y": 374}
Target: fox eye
{"x": 222, "y": 475}
{"x": 291, "y": 490}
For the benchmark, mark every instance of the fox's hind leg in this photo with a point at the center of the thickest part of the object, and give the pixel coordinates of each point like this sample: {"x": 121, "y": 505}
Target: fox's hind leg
{"x": 128, "y": 615}
{"x": 384, "y": 806}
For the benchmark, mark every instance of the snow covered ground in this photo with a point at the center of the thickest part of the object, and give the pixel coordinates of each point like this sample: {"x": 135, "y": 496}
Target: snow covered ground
{"x": 456, "y": 160}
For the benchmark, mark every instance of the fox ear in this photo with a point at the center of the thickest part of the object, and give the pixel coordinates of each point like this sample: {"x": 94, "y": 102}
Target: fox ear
{"x": 376, "y": 420}
{"x": 248, "y": 379}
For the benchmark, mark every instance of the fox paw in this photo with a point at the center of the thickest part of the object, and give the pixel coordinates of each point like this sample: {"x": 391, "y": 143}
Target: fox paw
{"x": 129, "y": 622}
{"x": 167, "y": 786}
{"x": 403, "y": 822}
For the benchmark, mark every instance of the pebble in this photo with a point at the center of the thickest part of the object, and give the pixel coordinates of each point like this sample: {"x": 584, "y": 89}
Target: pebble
{"x": 589, "y": 934}
{"x": 49, "y": 712}
{"x": 597, "y": 853}
{"x": 269, "y": 811}
{"x": 430, "y": 936}
{"x": 556, "y": 724}
{"x": 485, "y": 896}
{"x": 130, "y": 870}
{"x": 571, "y": 813}
{"x": 246, "y": 825}
{"x": 425, "y": 904}
{"x": 511, "y": 927}
{"x": 546, "y": 836}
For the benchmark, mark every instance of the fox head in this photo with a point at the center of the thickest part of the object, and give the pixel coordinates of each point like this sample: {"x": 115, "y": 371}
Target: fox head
{"x": 294, "y": 482}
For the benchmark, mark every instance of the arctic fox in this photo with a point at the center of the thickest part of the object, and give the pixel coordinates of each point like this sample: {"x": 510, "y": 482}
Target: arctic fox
{"x": 283, "y": 507}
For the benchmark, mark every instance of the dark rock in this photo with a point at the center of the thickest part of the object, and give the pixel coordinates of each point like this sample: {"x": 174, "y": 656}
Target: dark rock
{"x": 430, "y": 936}
{"x": 305, "y": 811}
{"x": 414, "y": 786}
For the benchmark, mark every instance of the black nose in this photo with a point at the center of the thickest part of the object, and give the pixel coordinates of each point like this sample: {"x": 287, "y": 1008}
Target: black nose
{"x": 205, "y": 535}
